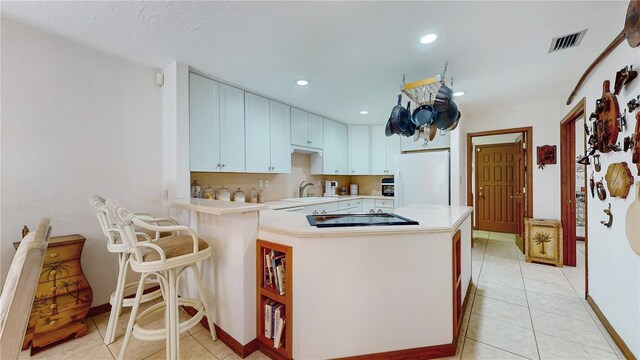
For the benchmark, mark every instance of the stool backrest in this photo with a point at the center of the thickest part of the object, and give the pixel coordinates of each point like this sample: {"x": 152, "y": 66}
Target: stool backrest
{"x": 107, "y": 224}
{"x": 122, "y": 218}
{"x": 19, "y": 290}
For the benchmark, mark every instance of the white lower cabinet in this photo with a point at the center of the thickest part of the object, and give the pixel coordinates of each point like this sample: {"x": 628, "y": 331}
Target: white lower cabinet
{"x": 368, "y": 206}
{"x": 322, "y": 209}
{"x": 350, "y": 206}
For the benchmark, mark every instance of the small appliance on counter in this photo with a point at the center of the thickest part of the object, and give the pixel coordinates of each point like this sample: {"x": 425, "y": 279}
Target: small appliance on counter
{"x": 353, "y": 189}
{"x": 388, "y": 187}
{"x": 330, "y": 188}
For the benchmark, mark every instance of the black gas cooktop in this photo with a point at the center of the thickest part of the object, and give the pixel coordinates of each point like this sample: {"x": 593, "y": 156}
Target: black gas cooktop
{"x": 340, "y": 220}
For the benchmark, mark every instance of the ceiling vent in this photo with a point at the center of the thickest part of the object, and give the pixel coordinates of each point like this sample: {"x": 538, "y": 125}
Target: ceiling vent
{"x": 566, "y": 41}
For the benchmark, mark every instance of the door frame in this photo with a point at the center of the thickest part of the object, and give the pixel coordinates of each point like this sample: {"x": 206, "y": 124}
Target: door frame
{"x": 475, "y": 196}
{"x": 577, "y": 113}
{"x": 528, "y": 131}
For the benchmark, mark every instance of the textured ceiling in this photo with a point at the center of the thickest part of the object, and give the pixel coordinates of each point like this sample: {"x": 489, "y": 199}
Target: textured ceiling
{"x": 353, "y": 53}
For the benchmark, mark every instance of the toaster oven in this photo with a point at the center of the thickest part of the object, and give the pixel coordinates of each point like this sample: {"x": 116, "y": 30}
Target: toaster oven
{"x": 387, "y": 187}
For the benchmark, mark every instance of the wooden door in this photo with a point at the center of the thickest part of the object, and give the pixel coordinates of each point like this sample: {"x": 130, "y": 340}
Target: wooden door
{"x": 256, "y": 111}
{"x": 232, "y": 129}
{"x": 280, "y": 129}
{"x": 519, "y": 206}
{"x": 495, "y": 183}
{"x": 204, "y": 124}
{"x": 568, "y": 190}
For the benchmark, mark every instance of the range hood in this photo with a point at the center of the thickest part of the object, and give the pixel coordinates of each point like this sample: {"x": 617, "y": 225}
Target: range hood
{"x": 305, "y": 150}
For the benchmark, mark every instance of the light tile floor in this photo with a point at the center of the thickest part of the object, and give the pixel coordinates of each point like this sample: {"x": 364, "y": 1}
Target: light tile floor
{"x": 194, "y": 344}
{"x": 524, "y": 310}
{"x": 515, "y": 310}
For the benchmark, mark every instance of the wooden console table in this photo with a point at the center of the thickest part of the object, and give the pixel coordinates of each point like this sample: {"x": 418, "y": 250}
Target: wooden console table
{"x": 63, "y": 296}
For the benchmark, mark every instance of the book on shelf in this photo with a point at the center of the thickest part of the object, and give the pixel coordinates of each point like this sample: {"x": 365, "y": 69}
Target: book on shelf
{"x": 280, "y": 275}
{"x": 278, "y": 261}
{"x": 278, "y": 332}
{"x": 268, "y": 271}
{"x": 268, "y": 318}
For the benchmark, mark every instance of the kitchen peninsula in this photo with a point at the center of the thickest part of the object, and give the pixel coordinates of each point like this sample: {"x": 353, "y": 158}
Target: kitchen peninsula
{"x": 350, "y": 290}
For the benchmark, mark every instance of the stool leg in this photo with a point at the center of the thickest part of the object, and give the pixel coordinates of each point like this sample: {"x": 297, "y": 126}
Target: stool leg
{"x": 132, "y": 317}
{"x": 116, "y": 306}
{"x": 173, "y": 328}
{"x": 205, "y": 302}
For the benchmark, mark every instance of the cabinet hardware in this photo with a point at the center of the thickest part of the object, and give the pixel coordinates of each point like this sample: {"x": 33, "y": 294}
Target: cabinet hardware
{"x": 218, "y": 165}
{"x": 222, "y": 165}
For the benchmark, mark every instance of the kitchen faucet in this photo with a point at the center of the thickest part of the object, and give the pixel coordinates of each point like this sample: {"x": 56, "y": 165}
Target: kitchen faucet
{"x": 302, "y": 187}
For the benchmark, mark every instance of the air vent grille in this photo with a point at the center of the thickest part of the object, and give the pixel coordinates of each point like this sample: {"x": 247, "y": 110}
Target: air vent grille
{"x": 566, "y": 41}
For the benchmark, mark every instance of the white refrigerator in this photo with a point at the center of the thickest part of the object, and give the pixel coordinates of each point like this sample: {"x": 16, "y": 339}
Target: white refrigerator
{"x": 422, "y": 178}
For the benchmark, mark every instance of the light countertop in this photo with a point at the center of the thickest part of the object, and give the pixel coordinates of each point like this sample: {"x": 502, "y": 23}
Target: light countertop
{"x": 432, "y": 219}
{"x": 286, "y": 204}
{"x": 214, "y": 207}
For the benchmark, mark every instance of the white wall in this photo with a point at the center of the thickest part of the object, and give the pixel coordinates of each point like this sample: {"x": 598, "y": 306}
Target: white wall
{"x": 545, "y": 119}
{"x": 75, "y": 122}
{"x": 614, "y": 269}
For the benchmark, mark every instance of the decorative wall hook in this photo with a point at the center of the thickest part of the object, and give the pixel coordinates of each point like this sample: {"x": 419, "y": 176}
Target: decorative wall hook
{"x": 596, "y": 162}
{"x": 592, "y": 186}
{"x": 602, "y": 193}
{"x": 610, "y": 221}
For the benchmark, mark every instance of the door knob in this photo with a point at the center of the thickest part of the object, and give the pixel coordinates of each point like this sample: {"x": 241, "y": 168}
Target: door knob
{"x": 481, "y": 194}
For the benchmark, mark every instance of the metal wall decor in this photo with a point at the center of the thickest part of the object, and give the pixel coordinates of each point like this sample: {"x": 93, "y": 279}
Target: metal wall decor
{"x": 602, "y": 193}
{"x": 609, "y": 222}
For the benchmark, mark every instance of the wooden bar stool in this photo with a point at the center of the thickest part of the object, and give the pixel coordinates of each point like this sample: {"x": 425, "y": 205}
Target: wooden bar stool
{"x": 116, "y": 245}
{"x": 167, "y": 259}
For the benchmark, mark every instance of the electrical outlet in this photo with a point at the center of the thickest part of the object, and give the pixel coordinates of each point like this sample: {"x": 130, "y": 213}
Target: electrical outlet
{"x": 266, "y": 183}
{"x": 317, "y": 182}
{"x": 260, "y": 183}
{"x": 166, "y": 195}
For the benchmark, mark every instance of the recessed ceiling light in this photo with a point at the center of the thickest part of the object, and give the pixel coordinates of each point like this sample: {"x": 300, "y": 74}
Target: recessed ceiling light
{"x": 364, "y": 112}
{"x": 428, "y": 39}
{"x": 302, "y": 82}
{"x": 458, "y": 93}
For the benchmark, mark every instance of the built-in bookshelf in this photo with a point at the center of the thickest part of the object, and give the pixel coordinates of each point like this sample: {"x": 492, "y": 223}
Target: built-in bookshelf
{"x": 274, "y": 299}
{"x": 457, "y": 282}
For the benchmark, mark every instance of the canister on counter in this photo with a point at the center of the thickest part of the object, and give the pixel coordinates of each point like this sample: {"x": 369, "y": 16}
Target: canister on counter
{"x": 353, "y": 189}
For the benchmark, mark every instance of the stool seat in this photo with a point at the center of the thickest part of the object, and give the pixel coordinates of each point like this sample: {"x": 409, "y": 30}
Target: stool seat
{"x": 173, "y": 246}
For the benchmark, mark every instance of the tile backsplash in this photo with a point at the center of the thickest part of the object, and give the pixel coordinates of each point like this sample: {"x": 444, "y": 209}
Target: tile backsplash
{"x": 286, "y": 185}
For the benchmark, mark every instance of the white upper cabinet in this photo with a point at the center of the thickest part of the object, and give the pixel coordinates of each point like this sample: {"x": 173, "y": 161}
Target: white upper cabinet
{"x": 204, "y": 124}
{"x": 341, "y": 159}
{"x": 439, "y": 142}
{"x": 267, "y": 135}
{"x": 316, "y": 131}
{"x": 383, "y": 151}
{"x": 232, "y": 154}
{"x": 334, "y": 153}
{"x": 359, "y": 150}
{"x": 258, "y": 144}
{"x": 299, "y": 127}
{"x": 306, "y": 129}
{"x": 280, "y": 131}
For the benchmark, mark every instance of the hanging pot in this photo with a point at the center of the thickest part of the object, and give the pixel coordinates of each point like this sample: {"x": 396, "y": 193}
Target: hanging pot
{"x": 444, "y": 120}
{"x": 423, "y": 115}
{"x": 399, "y": 115}
{"x": 443, "y": 97}
{"x": 409, "y": 128}
{"x": 387, "y": 129}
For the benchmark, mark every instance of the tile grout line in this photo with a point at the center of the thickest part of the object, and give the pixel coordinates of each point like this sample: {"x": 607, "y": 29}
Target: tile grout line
{"x": 495, "y": 347}
{"x": 526, "y": 296}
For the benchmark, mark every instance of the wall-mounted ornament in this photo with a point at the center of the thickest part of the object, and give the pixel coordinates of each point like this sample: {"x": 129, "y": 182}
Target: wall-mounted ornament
{"x": 546, "y": 155}
{"x": 596, "y": 162}
{"x": 592, "y": 186}
{"x": 623, "y": 77}
{"x": 633, "y": 104}
{"x": 602, "y": 193}
{"x": 635, "y": 138}
{"x": 619, "y": 179}
{"x": 632, "y": 225}
{"x": 609, "y": 222}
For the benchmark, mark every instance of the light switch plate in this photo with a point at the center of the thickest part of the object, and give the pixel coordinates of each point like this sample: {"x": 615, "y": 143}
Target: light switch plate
{"x": 266, "y": 183}
{"x": 260, "y": 183}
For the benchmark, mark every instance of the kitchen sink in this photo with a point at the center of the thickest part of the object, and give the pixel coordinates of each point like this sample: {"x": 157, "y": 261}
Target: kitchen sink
{"x": 308, "y": 199}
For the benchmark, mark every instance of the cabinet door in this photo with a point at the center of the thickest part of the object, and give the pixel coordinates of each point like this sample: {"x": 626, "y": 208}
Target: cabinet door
{"x": 257, "y": 146}
{"x": 393, "y": 149}
{"x": 368, "y": 206}
{"x": 299, "y": 127}
{"x": 316, "y": 133}
{"x": 378, "y": 150}
{"x": 329, "y": 148}
{"x": 341, "y": 158}
{"x": 204, "y": 124}
{"x": 231, "y": 129}
{"x": 359, "y": 150}
{"x": 280, "y": 129}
